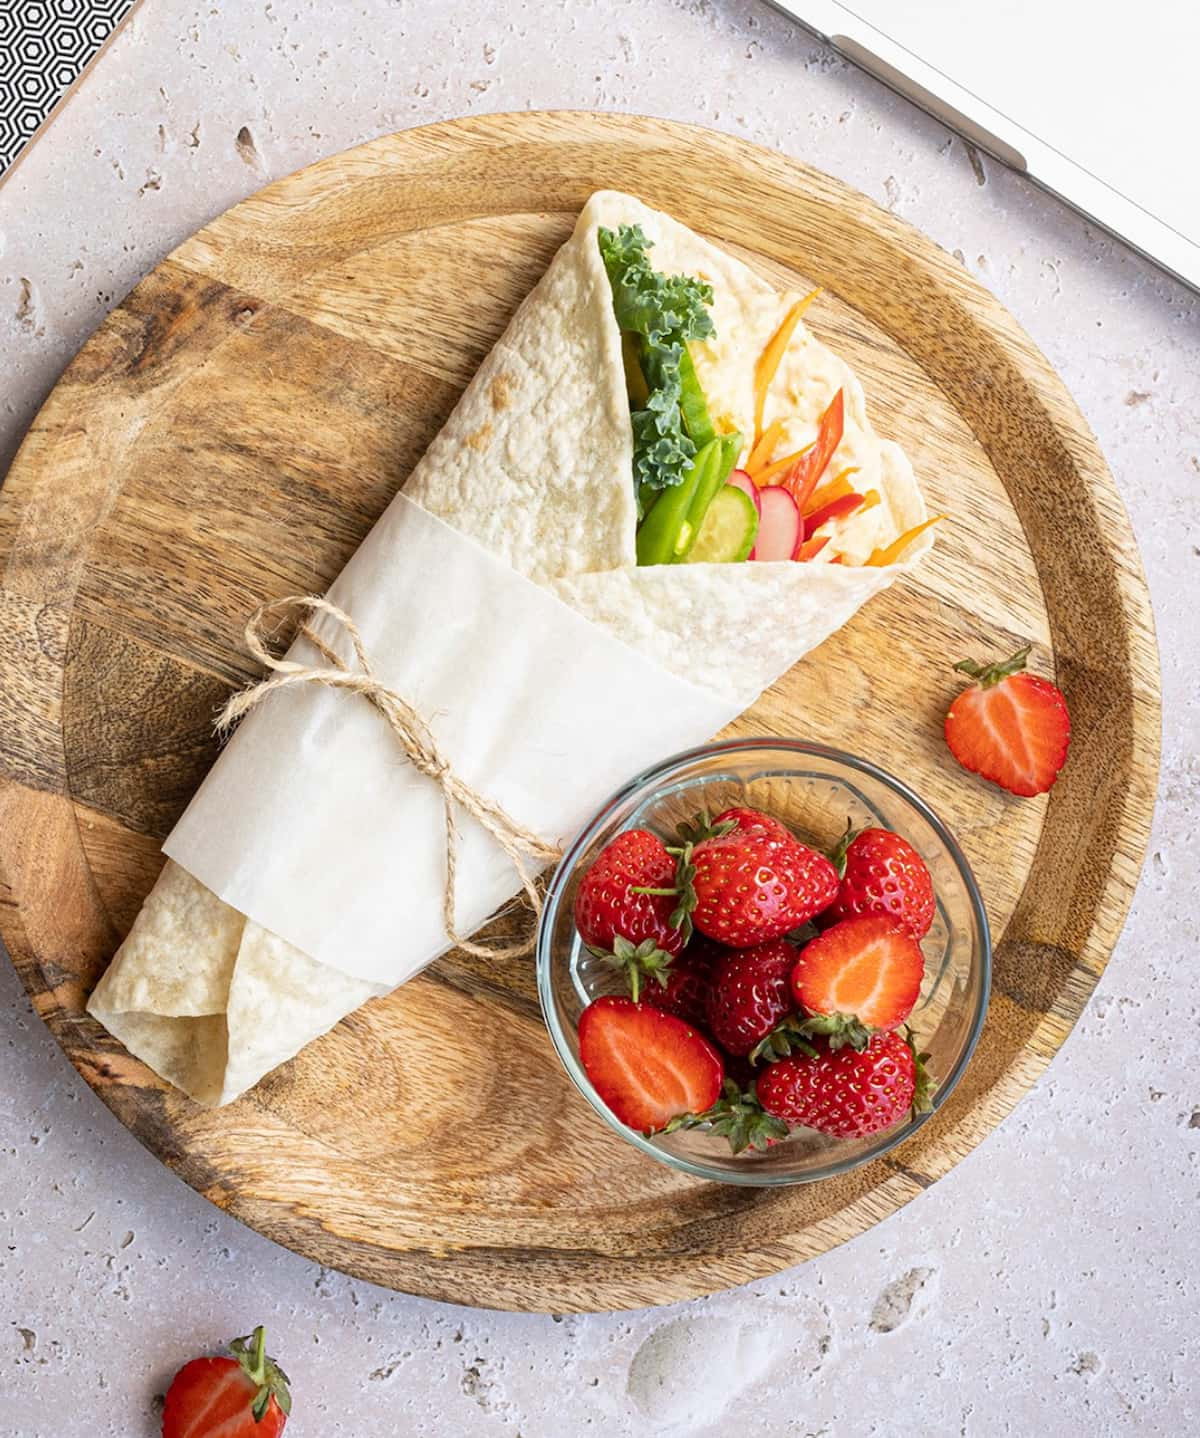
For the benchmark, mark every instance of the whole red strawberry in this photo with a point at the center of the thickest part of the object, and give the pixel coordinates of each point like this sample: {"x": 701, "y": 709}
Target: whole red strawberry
{"x": 883, "y": 874}
{"x": 848, "y": 1093}
{"x": 681, "y": 987}
{"x": 608, "y": 905}
{"x": 1010, "y": 726}
{"x": 750, "y": 995}
{"x": 245, "y": 1396}
{"x": 754, "y": 821}
{"x": 749, "y": 887}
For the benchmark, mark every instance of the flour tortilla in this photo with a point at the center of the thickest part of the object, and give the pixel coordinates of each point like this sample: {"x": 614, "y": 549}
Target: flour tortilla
{"x": 535, "y": 466}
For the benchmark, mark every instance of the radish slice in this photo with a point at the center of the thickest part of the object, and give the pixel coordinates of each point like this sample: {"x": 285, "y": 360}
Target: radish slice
{"x": 741, "y": 480}
{"x": 779, "y": 526}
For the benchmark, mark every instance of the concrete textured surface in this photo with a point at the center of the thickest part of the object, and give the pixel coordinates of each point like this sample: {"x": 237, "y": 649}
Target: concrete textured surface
{"x": 1048, "y": 1284}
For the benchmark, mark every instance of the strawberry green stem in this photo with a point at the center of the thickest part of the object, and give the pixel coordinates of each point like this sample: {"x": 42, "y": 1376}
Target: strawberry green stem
{"x": 925, "y": 1085}
{"x": 269, "y": 1379}
{"x": 257, "y": 1371}
{"x": 837, "y": 855}
{"x": 838, "y": 1030}
{"x": 638, "y": 962}
{"x": 989, "y": 674}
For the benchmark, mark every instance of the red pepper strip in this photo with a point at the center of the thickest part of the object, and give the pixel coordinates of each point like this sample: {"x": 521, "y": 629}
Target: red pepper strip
{"x": 836, "y": 509}
{"x": 811, "y": 548}
{"x": 801, "y": 479}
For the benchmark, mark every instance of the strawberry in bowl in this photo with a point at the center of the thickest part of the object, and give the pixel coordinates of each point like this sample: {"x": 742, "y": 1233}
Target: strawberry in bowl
{"x": 762, "y": 996}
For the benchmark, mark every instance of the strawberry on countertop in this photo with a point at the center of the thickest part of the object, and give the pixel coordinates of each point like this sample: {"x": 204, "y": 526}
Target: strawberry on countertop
{"x": 883, "y": 874}
{"x": 1010, "y": 726}
{"x": 848, "y": 1093}
{"x": 648, "y": 1066}
{"x": 245, "y": 1396}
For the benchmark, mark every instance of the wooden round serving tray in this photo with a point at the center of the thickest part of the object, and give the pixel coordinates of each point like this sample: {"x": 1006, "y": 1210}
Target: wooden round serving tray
{"x": 230, "y": 434}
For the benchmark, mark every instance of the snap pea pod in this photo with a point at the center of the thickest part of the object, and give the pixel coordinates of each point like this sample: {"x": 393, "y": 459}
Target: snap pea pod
{"x": 669, "y": 529}
{"x": 726, "y": 448}
{"x": 660, "y": 531}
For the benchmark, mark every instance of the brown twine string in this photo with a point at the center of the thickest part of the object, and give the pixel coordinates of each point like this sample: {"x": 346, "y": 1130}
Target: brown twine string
{"x": 417, "y": 741}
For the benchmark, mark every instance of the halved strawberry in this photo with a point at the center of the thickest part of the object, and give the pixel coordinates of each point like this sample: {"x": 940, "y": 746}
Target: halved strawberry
{"x": 882, "y": 874}
{"x": 1010, "y": 726}
{"x": 232, "y": 1397}
{"x": 862, "y": 975}
{"x": 647, "y": 1066}
{"x": 848, "y": 1093}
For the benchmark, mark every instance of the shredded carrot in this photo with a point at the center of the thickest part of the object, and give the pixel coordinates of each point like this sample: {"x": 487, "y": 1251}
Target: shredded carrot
{"x": 893, "y": 551}
{"x": 768, "y": 362}
{"x": 761, "y": 452}
{"x": 771, "y": 474}
{"x": 836, "y": 487}
{"x": 812, "y": 547}
{"x": 870, "y": 500}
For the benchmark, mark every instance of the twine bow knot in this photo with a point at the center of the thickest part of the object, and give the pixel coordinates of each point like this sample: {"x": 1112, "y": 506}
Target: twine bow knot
{"x": 416, "y": 739}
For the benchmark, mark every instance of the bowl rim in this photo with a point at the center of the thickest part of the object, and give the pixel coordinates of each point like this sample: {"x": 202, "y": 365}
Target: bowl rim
{"x": 658, "y": 774}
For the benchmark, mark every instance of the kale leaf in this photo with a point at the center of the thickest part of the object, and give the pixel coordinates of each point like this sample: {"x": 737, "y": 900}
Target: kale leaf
{"x": 665, "y": 312}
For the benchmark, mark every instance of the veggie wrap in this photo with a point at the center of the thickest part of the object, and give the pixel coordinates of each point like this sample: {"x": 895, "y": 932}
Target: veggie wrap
{"x": 501, "y": 593}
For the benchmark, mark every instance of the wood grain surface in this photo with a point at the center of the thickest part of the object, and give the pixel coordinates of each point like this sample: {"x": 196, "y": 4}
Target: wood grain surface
{"x": 230, "y": 434}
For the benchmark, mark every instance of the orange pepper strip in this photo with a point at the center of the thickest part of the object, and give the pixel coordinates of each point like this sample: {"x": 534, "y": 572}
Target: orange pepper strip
{"x": 833, "y": 490}
{"x": 768, "y": 361}
{"x": 762, "y": 450}
{"x": 812, "y": 547}
{"x": 801, "y": 479}
{"x": 870, "y": 500}
{"x": 892, "y": 553}
{"x": 837, "y": 559}
{"x": 771, "y": 474}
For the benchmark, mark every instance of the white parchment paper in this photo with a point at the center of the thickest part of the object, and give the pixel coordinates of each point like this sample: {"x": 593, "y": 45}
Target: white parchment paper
{"x": 313, "y": 823}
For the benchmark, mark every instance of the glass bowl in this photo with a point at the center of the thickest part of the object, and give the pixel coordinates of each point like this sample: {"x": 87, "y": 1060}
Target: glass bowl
{"x": 814, "y": 790}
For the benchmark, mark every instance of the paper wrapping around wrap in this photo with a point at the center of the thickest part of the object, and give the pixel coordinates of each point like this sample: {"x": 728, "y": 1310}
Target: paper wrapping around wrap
{"x": 502, "y": 597}
{"x": 314, "y": 823}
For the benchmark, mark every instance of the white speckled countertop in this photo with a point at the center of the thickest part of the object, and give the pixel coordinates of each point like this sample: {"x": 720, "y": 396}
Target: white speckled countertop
{"x": 1048, "y": 1284}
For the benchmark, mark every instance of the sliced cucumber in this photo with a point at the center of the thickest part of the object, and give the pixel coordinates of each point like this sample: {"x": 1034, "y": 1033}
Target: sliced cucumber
{"x": 729, "y": 530}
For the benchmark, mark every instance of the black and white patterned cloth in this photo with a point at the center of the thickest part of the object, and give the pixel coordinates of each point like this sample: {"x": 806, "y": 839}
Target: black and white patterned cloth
{"x": 45, "y": 45}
